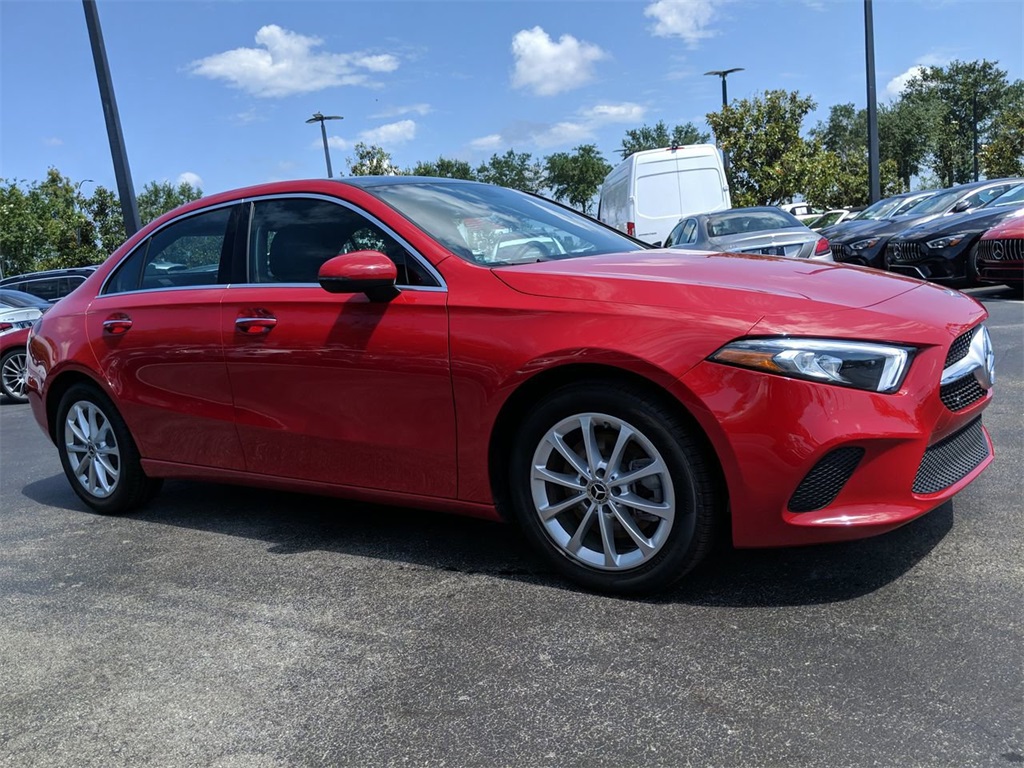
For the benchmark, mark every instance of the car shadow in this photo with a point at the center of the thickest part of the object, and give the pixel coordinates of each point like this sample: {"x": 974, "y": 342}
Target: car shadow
{"x": 294, "y": 523}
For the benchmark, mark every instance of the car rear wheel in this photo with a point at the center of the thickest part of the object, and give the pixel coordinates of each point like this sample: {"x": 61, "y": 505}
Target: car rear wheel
{"x": 98, "y": 454}
{"x": 13, "y": 375}
{"x": 609, "y": 483}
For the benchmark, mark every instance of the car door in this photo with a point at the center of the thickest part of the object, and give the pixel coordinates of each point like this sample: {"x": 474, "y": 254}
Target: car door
{"x": 337, "y": 388}
{"x": 156, "y": 334}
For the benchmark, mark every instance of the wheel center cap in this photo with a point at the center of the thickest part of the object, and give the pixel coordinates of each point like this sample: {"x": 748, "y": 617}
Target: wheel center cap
{"x": 597, "y": 491}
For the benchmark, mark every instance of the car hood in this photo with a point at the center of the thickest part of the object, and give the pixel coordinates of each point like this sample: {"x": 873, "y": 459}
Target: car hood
{"x": 707, "y": 283}
{"x": 978, "y": 221}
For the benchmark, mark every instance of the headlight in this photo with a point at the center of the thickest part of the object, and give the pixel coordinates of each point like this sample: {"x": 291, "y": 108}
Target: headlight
{"x": 859, "y": 364}
{"x": 861, "y": 245}
{"x": 948, "y": 241}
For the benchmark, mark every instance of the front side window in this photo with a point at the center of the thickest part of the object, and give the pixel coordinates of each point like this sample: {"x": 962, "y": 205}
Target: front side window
{"x": 291, "y": 238}
{"x": 186, "y": 253}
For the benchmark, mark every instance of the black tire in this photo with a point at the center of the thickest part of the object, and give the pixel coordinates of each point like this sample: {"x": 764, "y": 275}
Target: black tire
{"x": 98, "y": 449}
{"x": 971, "y": 266}
{"x": 679, "y": 484}
{"x": 12, "y": 374}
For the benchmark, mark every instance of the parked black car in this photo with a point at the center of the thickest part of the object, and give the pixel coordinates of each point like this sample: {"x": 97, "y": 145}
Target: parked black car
{"x": 889, "y": 208}
{"x": 865, "y": 244}
{"x": 944, "y": 250}
{"x": 51, "y": 285}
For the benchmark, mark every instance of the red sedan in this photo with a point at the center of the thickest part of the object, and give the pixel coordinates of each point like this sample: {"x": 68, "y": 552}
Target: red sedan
{"x": 460, "y": 346}
{"x": 1000, "y": 255}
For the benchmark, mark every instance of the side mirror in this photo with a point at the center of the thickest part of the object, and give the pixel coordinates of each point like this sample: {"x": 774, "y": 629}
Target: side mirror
{"x": 961, "y": 206}
{"x": 369, "y": 272}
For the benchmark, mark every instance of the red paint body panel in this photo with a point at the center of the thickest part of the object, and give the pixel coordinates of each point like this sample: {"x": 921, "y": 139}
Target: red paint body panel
{"x": 397, "y": 401}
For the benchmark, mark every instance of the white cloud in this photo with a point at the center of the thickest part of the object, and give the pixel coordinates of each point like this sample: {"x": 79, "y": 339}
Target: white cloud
{"x": 334, "y": 142}
{"x": 412, "y": 109}
{"x": 687, "y": 19}
{"x": 190, "y": 178}
{"x": 895, "y": 86}
{"x": 53, "y": 141}
{"x": 286, "y": 63}
{"x": 492, "y": 141}
{"x": 390, "y": 134}
{"x": 548, "y": 68}
{"x": 627, "y": 112}
{"x": 563, "y": 133}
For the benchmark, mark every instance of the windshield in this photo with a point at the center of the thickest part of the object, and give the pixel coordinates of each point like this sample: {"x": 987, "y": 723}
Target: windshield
{"x": 880, "y": 209}
{"x": 494, "y": 226}
{"x": 11, "y": 298}
{"x": 938, "y": 204}
{"x": 1012, "y": 196}
{"x": 909, "y": 204}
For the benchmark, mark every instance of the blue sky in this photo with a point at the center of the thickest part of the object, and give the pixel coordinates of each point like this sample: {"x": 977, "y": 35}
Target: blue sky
{"x": 217, "y": 93}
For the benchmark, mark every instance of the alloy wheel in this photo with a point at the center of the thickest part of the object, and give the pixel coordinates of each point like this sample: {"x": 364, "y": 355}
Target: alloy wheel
{"x": 603, "y": 492}
{"x": 14, "y": 375}
{"x": 92, "y": 450}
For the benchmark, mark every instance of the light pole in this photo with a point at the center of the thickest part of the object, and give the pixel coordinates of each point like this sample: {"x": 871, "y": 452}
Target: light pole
{"x": 874, "y": 180}
{"x": 724, "y": 73}
{"x": 319, "y": 118}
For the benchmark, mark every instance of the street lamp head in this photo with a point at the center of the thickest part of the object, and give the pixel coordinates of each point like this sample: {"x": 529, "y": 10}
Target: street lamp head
{"x": 724, "y": 72}
{"x": 319, "y": 118}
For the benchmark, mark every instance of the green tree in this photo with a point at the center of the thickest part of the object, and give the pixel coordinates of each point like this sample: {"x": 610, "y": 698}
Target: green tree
{"x": 157, "y": 198}
{"x": 445, "y": 168}
{"x": 104, "y": 208}
{"x": 658, "y": 136}
{"x": 769, "y": 160}
{"x": 575, "y": 178}
{"x": 516, "y": 170}
{"x": 371, "y": 160}
{"x": 838, "y": 168}
{"x": 963, "y": 97}
{"x": 1003, "y": 155}
{"x": 904, "y": 136}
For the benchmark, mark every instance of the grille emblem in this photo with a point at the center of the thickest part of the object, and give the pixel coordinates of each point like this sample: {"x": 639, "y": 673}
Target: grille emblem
{"x": 997, "y": 250}
{"x": 980, "y": 360}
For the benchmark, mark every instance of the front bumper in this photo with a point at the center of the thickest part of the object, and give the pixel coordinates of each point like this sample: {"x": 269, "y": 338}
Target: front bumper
{"x": 915, "y": 259}
{"x": 809, "y": 463}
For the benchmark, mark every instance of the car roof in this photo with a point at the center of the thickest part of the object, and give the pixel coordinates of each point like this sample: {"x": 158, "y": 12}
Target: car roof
{"x": 48, "y": 273}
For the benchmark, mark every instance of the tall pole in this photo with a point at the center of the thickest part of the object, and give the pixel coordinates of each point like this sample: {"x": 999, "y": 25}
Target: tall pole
{"x": 122, "y": 172}
{"x": 874, "y": 183}
{"x": 974, "y": 123}
{"x": 320, "y": 118}
{"x": 724, "y": 73}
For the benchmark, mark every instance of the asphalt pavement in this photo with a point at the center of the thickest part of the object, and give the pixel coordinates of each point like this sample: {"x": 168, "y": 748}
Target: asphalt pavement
{"x": 239, "y": 628}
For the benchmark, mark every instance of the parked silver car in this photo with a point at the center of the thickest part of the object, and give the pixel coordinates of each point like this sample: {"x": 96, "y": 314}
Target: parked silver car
{"x": 764, "y": 231}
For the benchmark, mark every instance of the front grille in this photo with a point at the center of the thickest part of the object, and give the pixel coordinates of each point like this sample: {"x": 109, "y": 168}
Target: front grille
{"x": 959, "y": 394}
{"x": 838, "y": 251}
{"x": 960, "y": 346}
{"x": 1006, "y": 249}
{"x": 823, "y": 483}
{"x": 901, "y": 251}
{"x": 951, "y": 460}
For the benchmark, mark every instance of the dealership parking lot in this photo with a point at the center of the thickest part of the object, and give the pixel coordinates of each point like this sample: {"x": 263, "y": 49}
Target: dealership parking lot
{"x": 233, "y": 627}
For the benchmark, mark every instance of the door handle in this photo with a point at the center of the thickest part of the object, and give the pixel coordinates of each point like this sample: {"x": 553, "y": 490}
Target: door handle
{"x": 255, "y": 326}
{"x": 117, "y": 325}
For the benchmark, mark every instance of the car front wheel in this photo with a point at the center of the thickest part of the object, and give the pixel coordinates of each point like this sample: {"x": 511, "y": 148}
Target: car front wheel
{"x": 611, "y": 485}
{"x": 12, "y": 375}
{"x": 98, "y": 454}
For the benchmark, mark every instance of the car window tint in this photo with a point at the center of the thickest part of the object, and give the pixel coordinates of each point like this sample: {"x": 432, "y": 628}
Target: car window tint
{"x": 690, "y": 231}
{"x": 291, "y": 238}
{"x": 187, "y": 253}
{"x": 729, "y": 223}
{"x": 45, "y": 288}
{"x": 675, "y": 236}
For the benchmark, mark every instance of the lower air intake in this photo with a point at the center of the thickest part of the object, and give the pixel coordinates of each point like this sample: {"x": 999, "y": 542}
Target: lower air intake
{"x": 825, "y": 480}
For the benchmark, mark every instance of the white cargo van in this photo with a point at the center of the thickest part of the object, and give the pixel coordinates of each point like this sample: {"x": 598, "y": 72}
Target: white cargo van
{"x": 647, "y": 193}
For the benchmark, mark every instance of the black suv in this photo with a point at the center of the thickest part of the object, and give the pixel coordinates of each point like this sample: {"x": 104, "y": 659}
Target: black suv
{"x": 51, "y": 285}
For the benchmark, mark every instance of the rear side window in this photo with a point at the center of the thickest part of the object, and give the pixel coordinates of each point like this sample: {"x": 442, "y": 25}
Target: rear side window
{"x": 186, "y": 253}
